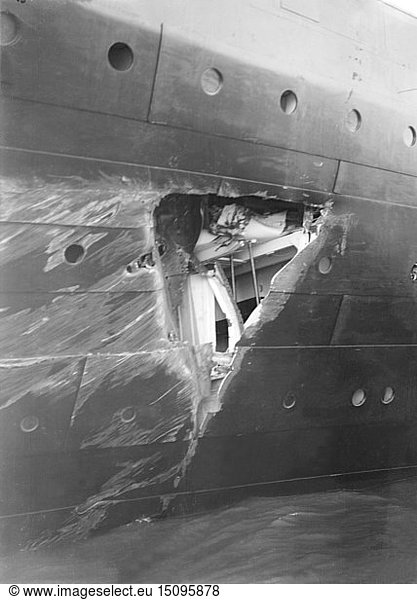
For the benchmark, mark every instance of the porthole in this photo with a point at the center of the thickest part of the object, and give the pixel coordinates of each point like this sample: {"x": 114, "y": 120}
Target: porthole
{"x": 288, "y": 102}
{"x": 388, "y": 395}
{"x": 325, "y": 265}
{"x": 74, "y": 254}
{"x": 353, "y": 120}
{"x": 29, "y": 424}
{"x": 120, "y": 56}
{"x": 212, "y": 81}
{"x": 128, "y": 414}
{"x": 358, "y": 397}
{"x": 289, "y": 401}
{"x": 9, "y": 29}
{"x": 410, "y": 136}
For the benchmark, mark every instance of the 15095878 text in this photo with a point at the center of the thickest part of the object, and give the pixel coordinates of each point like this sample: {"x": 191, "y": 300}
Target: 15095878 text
{"x": 189, "y": 590}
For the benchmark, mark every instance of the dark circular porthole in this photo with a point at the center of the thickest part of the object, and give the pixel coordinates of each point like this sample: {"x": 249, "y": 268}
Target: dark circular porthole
{"x": 120, "y": 56}
{"x": 388, "y": 395}
{"x": 29, "y": 424}
{"x": 128, "y": 414}
{"x": 288, "y": 102}
{"x": 289, "y": 401}
{"x": 358, "y": 397}
{"x": 74, "y": 254}
{"x": 211, "y": 81}
{"x": 325, "y": 265}
{"x": 410, "y": 136}
{"x": 353, "y": 120}
{"x": 9, "y": 29}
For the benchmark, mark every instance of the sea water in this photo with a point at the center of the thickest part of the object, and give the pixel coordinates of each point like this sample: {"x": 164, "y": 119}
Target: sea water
{"x": 367, "y": 535}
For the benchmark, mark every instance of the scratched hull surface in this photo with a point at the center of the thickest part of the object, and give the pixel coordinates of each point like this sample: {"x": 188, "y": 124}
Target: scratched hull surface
{"x": 149, "y": 168}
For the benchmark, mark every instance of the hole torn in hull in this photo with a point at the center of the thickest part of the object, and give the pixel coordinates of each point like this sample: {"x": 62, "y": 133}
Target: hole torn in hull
{"x": 220, "y": 257}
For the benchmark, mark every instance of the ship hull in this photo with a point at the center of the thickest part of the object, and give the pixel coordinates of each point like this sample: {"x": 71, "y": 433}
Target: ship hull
{"x": 223, "y": 472}
{"x": 107, "y": 410}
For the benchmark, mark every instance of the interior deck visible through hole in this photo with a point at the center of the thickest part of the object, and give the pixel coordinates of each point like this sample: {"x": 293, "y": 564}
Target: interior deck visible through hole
{"x": 220, "y": 255}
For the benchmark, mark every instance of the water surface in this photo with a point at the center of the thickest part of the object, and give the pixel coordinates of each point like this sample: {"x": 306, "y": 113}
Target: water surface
{"x": 343, "y": 536}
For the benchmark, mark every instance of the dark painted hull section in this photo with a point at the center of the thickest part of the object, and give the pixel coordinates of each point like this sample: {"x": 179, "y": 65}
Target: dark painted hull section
{"x": 90, "y": 348}
{"x": 224, "y": 470}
